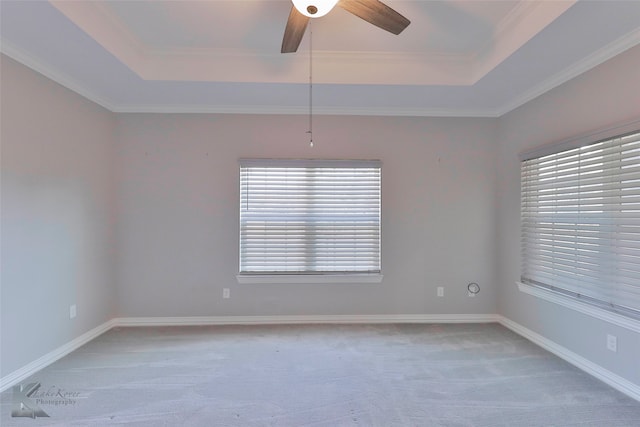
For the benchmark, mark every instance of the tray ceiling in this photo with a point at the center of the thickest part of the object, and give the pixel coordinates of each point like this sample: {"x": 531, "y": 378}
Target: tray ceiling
{"x": 457, "y": 58}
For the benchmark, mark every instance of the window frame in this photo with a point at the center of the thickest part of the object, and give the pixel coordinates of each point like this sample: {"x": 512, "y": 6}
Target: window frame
{"x": 558, "y": 294}
{"x": 310, "y": 276}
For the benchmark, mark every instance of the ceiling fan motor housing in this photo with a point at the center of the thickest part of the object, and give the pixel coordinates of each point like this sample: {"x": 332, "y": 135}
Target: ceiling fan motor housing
{"x": 373, "y": 11}
{"x": 314, "y": 8}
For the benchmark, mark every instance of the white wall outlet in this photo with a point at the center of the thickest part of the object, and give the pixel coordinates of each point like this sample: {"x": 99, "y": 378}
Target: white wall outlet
{"x": 440, "y": 291}
{"x": 72, "y": 311}
{"x": 226, "y": 293}
{"x": 612, "y": 343}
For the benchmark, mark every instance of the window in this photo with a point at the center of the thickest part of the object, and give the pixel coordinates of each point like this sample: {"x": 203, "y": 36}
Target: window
{"x": 580, "y": 212}
{"x": 309, "y": 217}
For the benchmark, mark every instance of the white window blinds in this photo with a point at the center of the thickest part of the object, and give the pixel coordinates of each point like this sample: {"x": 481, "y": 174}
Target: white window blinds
{"x": 309, "y": 216}
{"x": 581, "y": 223}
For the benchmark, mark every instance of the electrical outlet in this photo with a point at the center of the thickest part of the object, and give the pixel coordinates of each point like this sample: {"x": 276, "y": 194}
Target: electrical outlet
{"x": 440, "y": 291}
{"x": 226, "y": 293}
{"x": 72, "y": 311}
{"x": 612, "y": 343}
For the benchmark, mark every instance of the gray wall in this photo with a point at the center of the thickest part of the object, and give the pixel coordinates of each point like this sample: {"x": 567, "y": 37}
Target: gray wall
{"x": 600, "y": 98}
{"x": 178, "y": 217}
{"x": 57, "y": 215}
{"x": 136, "y": 215}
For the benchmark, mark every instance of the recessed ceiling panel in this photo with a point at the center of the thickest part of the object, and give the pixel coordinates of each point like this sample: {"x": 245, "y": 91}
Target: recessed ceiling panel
{"x": 460, "y": 58}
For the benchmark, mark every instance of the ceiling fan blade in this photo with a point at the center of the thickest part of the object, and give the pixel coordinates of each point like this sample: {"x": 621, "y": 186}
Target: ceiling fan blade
{"x": 296, "y": 25}
{"x": 376, "y": 13}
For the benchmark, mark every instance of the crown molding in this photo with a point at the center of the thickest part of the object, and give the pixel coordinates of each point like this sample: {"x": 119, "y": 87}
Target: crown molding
{"x": 26, "y": 59}
{"x": 526, "y": 19}
{"x": 303, "y": 110}
{"x": 103, "y": 26}
{"x": 247, "y": 66}
{"x": 61, "y": 78}
{"x": 598, "y": 57}
{"x": 521, "y": 24}
{"x": 615, "y": 48}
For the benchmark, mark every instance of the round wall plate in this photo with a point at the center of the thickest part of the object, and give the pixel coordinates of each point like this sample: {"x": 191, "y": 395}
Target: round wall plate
{"x": 473, "y": 287}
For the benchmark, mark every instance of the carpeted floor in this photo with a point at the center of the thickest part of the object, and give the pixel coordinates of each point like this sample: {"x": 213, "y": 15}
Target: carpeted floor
{"x": 320, "y": 375}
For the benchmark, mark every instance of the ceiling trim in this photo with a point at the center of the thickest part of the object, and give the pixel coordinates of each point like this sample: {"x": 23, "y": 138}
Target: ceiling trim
{"x": 28, "y": 60}
{"x": 596, "y": 58}
{"x": 304, "y": 110}
{"x": 96, "y": 20}
{"x": 523, "y": 22}
{"x": 382, "y": 67}
{"x": 617, "y": 47}
{"x": 19, "y": 55}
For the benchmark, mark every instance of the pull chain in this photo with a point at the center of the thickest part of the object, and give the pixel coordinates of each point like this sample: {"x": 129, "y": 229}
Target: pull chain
{"x": 310, "y": 131}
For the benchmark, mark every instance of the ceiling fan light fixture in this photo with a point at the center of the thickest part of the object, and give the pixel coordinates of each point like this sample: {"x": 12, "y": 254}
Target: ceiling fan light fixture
{"x": 314, "y": 8}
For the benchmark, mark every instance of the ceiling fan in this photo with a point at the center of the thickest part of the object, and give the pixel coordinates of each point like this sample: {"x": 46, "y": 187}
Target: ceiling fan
{"x": 372, "y": 11}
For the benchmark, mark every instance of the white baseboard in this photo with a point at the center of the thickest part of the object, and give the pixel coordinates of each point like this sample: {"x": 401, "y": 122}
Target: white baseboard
{"x": 627, "y": 387}
{"x": 44, "y": 361}
{"x": 26, "y": 371}
{"x": 615, "y": 381}
{"x": 306, "y": 319}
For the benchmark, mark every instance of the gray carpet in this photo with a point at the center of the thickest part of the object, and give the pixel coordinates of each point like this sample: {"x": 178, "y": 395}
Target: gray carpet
{"x": 320, "y": 375}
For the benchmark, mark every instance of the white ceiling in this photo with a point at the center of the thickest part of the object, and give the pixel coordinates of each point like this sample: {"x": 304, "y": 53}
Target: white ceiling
{"x": 457, "y": 58}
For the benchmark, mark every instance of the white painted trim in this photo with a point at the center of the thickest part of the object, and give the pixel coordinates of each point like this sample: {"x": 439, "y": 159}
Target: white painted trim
{"x": 525, "y": 21}
{"x": 26, "y": 371}
{"x": 51, "y": 73}
{"x": 103, "y": 25}
{"x": 307, "y": 319}
{"x": 62, "y": 79}
{"x": 302, "y": 110}
{"x": 582, "y": 307}
{"x": 621, "y": 384}
{"x": 615, "y": 381}
{"x": 32, "y": 368}
{"x": 609, "y": 132}
{"x": 308, "y": 278}
{"x": 596, "y": 58}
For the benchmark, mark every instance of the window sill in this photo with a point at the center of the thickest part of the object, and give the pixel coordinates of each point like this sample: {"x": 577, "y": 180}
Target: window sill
{"x": 308, "y": 278}
{"x": 588, "y": 309}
